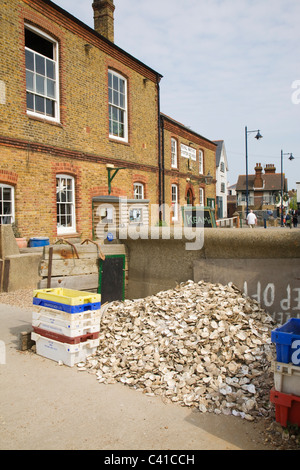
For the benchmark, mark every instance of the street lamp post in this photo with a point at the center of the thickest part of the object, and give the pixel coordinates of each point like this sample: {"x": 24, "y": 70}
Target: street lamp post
{"x": 258, "y": 136}
{"x": 281, "y": 189}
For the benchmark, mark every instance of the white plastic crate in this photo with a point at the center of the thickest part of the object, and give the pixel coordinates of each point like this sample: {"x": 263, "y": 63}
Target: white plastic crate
{"x": 68, "y": 354}
{"x": 286, "y": 378}
{"x": 65, "y": 324}
{"x": 86, "y": 315}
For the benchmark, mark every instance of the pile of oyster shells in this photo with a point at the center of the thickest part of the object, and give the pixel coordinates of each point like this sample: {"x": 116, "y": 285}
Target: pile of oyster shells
{"x": 200, "y": 345}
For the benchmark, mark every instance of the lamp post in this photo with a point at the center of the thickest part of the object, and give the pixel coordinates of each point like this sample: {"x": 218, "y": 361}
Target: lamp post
{"x": 281, "y": 191}
{"x": 258, "y": 136}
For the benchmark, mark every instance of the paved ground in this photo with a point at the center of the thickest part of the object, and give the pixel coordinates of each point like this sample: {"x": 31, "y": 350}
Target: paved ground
{"x": 47, "y": 406}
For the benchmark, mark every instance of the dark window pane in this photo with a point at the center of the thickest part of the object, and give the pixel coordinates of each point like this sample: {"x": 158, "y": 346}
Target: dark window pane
{"x": 122, "y": 86}
{"x": 50, "y": 68}
{"x": 40, "y": 85}
{"x": 6, "y": 208}
{"x": 6, "y": 194}
{"x": 38, "y": 43}
{"x": 40, "y": 65}
{"x": 115, "y": 114}
{"x": 116, "y": 98}
{"x": 30, "y": 101}
{"x": 121, "y": 116}
{"x": 50, "y": 88}
{"x": 39, "y": 104}
{"x": 50, "y": 107}
{"x": 29, "y": 58}
{"x": 29, "y": 81}
{"x": 116, "y": 83}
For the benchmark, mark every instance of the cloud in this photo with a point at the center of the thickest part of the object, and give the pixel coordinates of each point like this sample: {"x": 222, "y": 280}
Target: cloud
{"x": 226, "y": 64}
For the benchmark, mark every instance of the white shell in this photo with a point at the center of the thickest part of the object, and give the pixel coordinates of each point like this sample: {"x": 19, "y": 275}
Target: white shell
{"x": 200, "y": 345}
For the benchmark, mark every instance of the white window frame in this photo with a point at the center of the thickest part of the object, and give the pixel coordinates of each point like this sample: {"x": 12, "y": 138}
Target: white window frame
{"x": 201, "y": 197}
{"x": 174, "y": 197}
{"x": 12, "y": 201}
{"x": 138, "y": 190}
{"x": 201, "y": 162}
{"x": 174, "y": 154}
{"x": 55, "y": 98}
{"x": 114, "y": 96}
{"x": 63, "y": 229}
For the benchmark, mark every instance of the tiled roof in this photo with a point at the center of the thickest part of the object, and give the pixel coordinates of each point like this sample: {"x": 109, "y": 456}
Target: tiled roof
{"x": 272, "y": 182}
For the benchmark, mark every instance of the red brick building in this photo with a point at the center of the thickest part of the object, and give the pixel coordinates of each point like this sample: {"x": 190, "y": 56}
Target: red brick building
{"x": 74, "y": 108}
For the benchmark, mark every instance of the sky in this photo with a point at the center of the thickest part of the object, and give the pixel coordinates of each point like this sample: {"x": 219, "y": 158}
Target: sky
{"x": 226, "y": 65}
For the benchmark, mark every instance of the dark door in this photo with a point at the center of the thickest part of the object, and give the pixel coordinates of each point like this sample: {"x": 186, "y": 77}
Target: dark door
{"x": 112, "y": 278}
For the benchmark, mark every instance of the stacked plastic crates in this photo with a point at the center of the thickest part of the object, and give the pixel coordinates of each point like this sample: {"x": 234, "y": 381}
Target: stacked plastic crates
{"x": 286, "y": 391}
{"x": 66, "y": 324}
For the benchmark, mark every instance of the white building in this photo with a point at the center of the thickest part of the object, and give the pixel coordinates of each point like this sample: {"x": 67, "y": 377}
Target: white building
{"x": 221, "y": 177}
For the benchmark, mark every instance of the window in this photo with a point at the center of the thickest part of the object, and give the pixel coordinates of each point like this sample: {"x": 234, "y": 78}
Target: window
{"x": 201, "y": 196}
{"x": 7, "y": 208}
{"x": 211, "y": 203}
{"x": 138, "y": 190}
{"x": 222, "y": 167}
{"x": 222, "y": 187}
{"x": 200, "y": 162}
{"x": 136, "y": 215}
{"x": 173, "y": 153}
{"x": 41, "y": 62}
{"x": 65, "y": 200}
{"x": 117, "y": 97}
{"x": 175, "y": 201}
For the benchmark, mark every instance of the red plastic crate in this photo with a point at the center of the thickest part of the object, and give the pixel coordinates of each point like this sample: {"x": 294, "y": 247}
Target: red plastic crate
{"x": 63, "y": 338}
{"x": 287, "y": 408}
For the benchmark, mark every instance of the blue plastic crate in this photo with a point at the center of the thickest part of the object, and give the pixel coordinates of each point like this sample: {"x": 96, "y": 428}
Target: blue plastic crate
{"x": 39, "y": 241}
{"x": 65, "y": 307}
{"x": 287, "y": 340}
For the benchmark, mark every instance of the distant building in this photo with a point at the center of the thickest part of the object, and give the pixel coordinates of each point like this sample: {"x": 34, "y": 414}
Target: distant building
{"x": 221, "y": 177}
{"x": 231, "y": 200}
{"x": 264, "y": 189}
{"x": 298, "y": 194}
{"x": 189, "y": 175}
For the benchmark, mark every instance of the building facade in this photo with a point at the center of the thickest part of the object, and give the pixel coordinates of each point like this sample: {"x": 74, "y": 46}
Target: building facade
{"x": 80, "y": 125}
{"x": 189, "y": 168}
{"x": 222, "y": 180}
{"x": 264, "y": 189}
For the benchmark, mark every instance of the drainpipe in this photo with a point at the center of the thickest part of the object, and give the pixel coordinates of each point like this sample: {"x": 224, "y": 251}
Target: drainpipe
{"x": 163, "y": 164}
{"x": 159, "y": 149}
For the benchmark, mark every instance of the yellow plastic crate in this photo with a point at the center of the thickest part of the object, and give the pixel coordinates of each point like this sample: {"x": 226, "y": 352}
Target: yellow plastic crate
{"x": 67, "y": 296}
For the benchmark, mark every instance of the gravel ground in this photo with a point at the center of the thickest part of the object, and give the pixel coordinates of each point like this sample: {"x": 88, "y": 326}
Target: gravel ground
{"x": 20, "y": 298}
{"x": 280, "y": 438}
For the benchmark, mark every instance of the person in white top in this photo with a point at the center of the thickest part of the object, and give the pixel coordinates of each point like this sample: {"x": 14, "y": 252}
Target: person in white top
{"x": 251, "y": 219}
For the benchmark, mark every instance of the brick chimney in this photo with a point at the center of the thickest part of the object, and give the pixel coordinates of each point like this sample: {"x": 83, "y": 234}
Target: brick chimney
{"x": 104, "y": 18}
{"x": 270, "y": 169}
{"x": 258, "y": 181}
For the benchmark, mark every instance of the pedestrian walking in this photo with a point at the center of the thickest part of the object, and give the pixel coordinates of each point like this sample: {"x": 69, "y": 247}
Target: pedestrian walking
{"x": 295, "y": 218}
{"x": 288, "y": 220}
{"x": 251, "y": 219}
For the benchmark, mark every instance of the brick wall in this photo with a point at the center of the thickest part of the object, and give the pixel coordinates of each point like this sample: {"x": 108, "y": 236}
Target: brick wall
{"x": 183, "y": 172}
{"x": 33, "y": 150}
